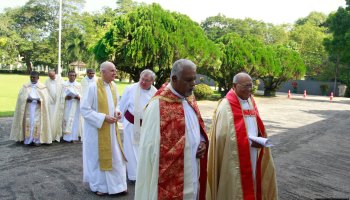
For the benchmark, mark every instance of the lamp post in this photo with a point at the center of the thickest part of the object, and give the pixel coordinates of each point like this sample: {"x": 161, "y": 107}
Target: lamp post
{"x": 59, "y": 68}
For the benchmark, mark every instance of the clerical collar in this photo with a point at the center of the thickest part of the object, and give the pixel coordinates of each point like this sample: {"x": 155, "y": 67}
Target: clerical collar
{"x": 173, "y": 91}
{"x": 242, "y": 100}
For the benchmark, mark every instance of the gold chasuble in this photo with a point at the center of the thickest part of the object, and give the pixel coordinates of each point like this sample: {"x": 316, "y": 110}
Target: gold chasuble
{"x": 21, "y": 120}
{"x": 172, "y": 145}
{"x": 104, "y": 138}
{"x": 230, "y": 173}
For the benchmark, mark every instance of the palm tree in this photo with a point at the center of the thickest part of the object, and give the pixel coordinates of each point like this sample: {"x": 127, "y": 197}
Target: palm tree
{"x": 76, "y": 47}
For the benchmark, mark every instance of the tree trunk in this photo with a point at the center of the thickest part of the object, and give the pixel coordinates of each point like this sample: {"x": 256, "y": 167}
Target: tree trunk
{"x": 335, "y": 75}
{"x": 28, "y": 64}
{"x": 269, "y": 92}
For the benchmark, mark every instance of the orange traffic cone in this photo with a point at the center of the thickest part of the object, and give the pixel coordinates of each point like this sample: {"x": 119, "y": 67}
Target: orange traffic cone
{"x": 289, "y": 95}
{"x": 331, "y": 97}
{"x": 304, "y": 93}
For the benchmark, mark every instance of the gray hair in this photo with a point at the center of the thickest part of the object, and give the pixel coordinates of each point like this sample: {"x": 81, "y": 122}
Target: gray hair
{"x": 240, "y": 75}
{"x": 148, "y": 72}
{"x": 51, "y": 70}
{"x": 178, "y": 67}
{"x": 105, "y": 64}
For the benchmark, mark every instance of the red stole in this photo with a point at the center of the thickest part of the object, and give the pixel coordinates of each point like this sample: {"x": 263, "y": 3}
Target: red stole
{"x": 244, "y": 147}
{"x": 172, "y": 146}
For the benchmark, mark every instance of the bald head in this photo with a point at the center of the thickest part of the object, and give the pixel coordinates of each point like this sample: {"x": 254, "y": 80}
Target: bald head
{"x": 239, "y": 76}
{"x": 242, "y": 85}
{"x": 108, "y": 71}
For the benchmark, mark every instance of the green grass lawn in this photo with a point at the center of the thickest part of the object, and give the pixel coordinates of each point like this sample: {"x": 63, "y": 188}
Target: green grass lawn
{"x": 10, "y": 84}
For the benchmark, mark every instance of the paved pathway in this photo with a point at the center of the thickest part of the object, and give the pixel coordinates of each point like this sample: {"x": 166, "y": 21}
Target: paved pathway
{"x": 311, "y": 153}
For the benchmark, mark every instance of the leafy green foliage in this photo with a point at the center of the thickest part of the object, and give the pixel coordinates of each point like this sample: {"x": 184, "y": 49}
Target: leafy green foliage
{"x": 153, "y": 38}
{"x": 202, "y": 91}
{"x": 287, "y": 64}
{"x": 309, "y": 35}
{"x": 218, "y": 26}
{"x": 338, "y": 45}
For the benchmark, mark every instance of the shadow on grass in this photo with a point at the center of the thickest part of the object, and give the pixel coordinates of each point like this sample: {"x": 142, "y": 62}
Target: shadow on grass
{"x": 6, "y": 113}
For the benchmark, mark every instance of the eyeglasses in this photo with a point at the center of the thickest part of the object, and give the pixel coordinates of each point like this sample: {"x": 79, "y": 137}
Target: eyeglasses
{"x": 146, "y": 80}
{"x": 246, "y": 86}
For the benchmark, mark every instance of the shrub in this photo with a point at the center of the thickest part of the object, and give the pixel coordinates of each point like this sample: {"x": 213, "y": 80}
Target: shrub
{"x": 255, "y": 86}
{"x": 202, "y": 91}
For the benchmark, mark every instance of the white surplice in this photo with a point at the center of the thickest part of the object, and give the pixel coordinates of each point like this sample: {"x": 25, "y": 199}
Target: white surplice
{"x": 113, "y": 181}
{"x": 32, "y": 109}
{"x": 148, "y": 168}
{"x": 85, "y": 84}
{"x": 252, "y": 130}
{"x": 54, "y": 88}
{"x": 128, "y": 102}
{"x": 70, "y": 107}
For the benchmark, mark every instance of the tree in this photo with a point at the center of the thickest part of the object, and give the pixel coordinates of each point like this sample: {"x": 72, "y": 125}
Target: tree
{"x": 338, "y": 45}
{"x": 34, "y": 27}
{"x": 151, "y": 37}
{"x": 309, "y": 34}
{"x": 236, "y": 56}
{"x": 8, "y": 38}
{"x": 285, "y": 64}
{"x": 218, "y": 26}
{"x": 125, "y": 6}
{"x": 31, "y": 24}
{"x": 76, "y": 47}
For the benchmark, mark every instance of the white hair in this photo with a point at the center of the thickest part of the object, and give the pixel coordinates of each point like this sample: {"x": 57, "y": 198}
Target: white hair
{"x": 106, "y": 64}
{"x": 148, "y": 72}
{"x": 240, "y": 75}
{"x": 178, "y": 67}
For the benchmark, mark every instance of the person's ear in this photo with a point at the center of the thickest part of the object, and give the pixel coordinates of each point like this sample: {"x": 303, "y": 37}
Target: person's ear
{"x": 174, "y": 79}
{"x": 234, "y": 85}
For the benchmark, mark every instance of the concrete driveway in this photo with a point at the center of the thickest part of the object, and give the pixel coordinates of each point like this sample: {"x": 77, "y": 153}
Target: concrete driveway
{"x": 311, "y": 153}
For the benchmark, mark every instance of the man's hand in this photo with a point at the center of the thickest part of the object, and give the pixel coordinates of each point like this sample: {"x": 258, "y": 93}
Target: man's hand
{"x": 110, "y": 119}
{"x": 68, "y": 98}
{"x": 118, "y": 115}
{"x": 256, "y": 145}
{"x": 77, "y": 98}
{"x": 201, "y": 150}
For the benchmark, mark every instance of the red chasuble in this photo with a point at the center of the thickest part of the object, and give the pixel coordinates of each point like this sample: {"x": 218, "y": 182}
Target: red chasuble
{"x": 243, "y": 145}
{"x": 172, "y": 146}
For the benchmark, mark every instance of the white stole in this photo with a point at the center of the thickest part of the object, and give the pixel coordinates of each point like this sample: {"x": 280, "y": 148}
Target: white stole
{"x": 138, "y": 112}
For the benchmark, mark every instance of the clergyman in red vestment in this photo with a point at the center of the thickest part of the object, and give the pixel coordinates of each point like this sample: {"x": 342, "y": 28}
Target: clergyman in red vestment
{"x": 238, "y": 167}
{"x": 173, "y": 145}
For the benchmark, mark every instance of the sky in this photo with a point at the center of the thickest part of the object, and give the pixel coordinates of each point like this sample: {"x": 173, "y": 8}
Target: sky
{"x": 272, "y": 11}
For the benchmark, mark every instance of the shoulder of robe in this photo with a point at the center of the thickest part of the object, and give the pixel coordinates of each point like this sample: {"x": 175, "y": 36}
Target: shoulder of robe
{"x": 221, "y": 105}
{"x": 26, "y": 85}
{"x": 130, "y": 87}
{"x": 114, "y": 84}
{"x": 41, "y": 86}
